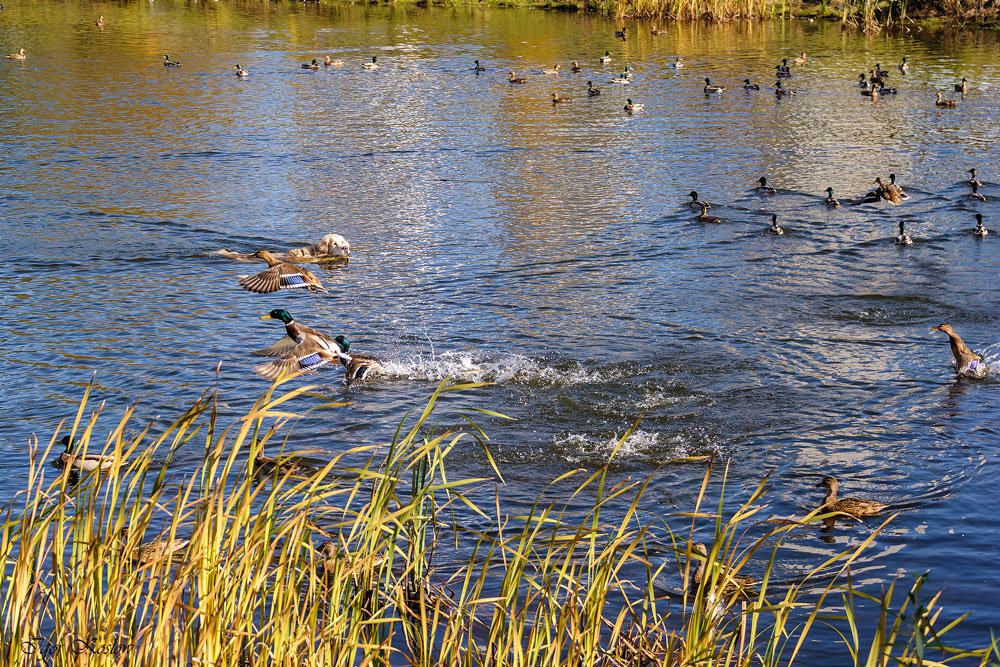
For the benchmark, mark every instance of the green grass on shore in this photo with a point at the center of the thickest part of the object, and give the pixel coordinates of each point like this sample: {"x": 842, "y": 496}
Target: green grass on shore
{"x": 391, "y": 560}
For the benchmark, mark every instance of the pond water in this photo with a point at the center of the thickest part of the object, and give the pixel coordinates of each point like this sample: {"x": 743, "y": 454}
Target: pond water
{"x": 547, "y": 249}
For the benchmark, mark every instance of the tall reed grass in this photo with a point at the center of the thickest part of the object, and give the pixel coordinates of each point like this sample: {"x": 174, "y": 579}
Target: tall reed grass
{"x": 393, "y": 562}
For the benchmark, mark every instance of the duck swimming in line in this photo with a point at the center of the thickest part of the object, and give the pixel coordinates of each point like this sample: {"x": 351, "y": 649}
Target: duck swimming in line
{"x": 962, "y": 86}
{"x": 774, "y": 229}
{"x": 896, "y": 188}
{"x": 784, "y": 65}
{"x": 372, "y": 66}
{"x": 313, "y": 65}
{"x": 709, "y": 88}
{"x": 705, "y": 217}
{"x": 967, "y": 362}
{"x": 240, "y": 72}
{"x": 882, "y": 90}
{"x": 576, "y": 67}
{"x": 557, "y": 99}
{"x": 623, "y": 78}
{"x": 972, "y": 179}
{"x": 606, "y": 58}
{"x": 477, "y": 67}
{"x": 781, "y": 91}
{"x": 904, "y": 66}
{"x": 167, "y": 62}
{"x": 332, "y": 63}
{"x": 750, "y": 86}
{"x": 357, "y": 367}
{"x": 515, "y": 79}
{"x": 976, "y": 195}
{"x": 278, "y": 276}
{"x": 552, "y": 70}
{"x": 830, "y": 201}
{"x": 943, "y": 103}
{"x": 591, "y": 91}
{"x": 856, "y": 507}
{"x": 697, "y": 203}
{"x": 903, "y": 238}
{"x": 295, "y": 334}
{"x": 764, "y": 188}
{"x": 19, "y": 55}
{"x": 781, "y": 73}
{"x": 632, "y": 107}
{"x": 980, "y": 231}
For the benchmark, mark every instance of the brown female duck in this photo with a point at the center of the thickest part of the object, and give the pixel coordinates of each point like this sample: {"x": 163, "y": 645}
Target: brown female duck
{"x": 734, "y": 582}
{"x": 856, "y": 507}
{"x": 967, "y": 362}
{"x": 279, "y": 275}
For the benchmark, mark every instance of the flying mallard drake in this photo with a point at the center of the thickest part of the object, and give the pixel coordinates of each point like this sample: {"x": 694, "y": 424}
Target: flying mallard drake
{"x": 830, "y": 200}
{"x": 856, "y": 507}
{"x": 372, "y": 66}
{"x": 357, "y": 367}
{"x": 84, "y": 462}
{"x": 304, "y": 358}
{"x": 967, "y": 362}
{"x": 167, "y": 62}
{"x": 278, "y": 276}
{"x": 295, "y": 334}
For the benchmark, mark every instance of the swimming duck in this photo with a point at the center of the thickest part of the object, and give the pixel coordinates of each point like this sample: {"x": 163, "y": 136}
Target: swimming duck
{"x": 358, "y": 367}
{"x": 622, "y": 34}
{"x": 624, "y": 78}
{"x": 373, "y": 65}
{"x": 962, "y": 86}
{"x": 697, "y": 203}
{"x": 875, "y": 79}
{"x": 84, "y": 462}
{"x": 896, "y": 188}
{"x": 632, "y": 107}
{"x": 886, "y": 91}
{"x": 973, "y": 180}
{"x": 733, "y": 582}
{"x": 240, "y": 72}
{"x": 332, "y": 63}
{"x": 313, "y": 65}
{"x": 862, "y": 82}
{"x": 801, "y": 60}
{"x": 304, "y": 358}
{"x": 268, "y": 465}
{"x": 591, "y": 91}
{"x": 167, "y": 62}
{"x": 784, "y": 65}
{"x": 764, "y": 188}
{"x": 515, "y": 79}
{"x": 655, "y": 32}
{"x": 278, "y": 276}
{"x": 100, "y": 22}
{"x": 152, "y": 551}
{"x": 478, "y": 67}
{"x": 904, "y": 66}
{"x": 856, "y": 507}
{"x": 774, "y": 229}
{"x": 553, "y": 70}
{"x": 967, "y": 362}
{"x": 709, "y": 88}
{"x": 750, "y": 86}
{"x": 20, "y": 55}
{"x": 879, "y": 72}
{"x": 976, "y": 194}
{"x": 781, "y": 91}
{"x": 883, "y": 191}
{"x": 980, "y": 231}
{"x": 780, "y": 73}
{"x": 903, "y": 238}
{"x": 678, "y": 63}
{"x": 830, "y": 201}
{"x": 295, "y": 334}
{"x": 557, "y": 99}
{"x": 947, "y": 104}
{"x": 871, "y": 92}
{"x": 576, "y": 67}
{"x": 705, "y": 217}
{"x": 606, "y": 58}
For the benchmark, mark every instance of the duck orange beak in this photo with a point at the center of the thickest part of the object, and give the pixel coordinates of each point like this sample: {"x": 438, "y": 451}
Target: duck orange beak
{"x": 265, "y": 317}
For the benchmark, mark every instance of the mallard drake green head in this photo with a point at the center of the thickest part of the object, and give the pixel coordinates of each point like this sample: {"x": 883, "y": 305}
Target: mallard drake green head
{"x": 774, "y": 228}
{"x": 84, "y": 462}
{"x": 980, "y": 231}
{"x": 279, "y": 275}
{"x": 358, "y": 367}
{"x": 903, "y": 238}
{"x": 764, "y": 188}
{"x": 972, "y": 179}
{"x": 478, "y": 67}
{"x": 855, "y": 507}
{"x": 632, "y": 107}
{"x": 967, "y": 362}
{"x": 278, "y": 314}
{"x": 606, "y": 58}
{"x": 830, "y": 201}
{"x": 862, "y": 81}
{"x": 697, "y": 203}
{"x": 750, "y": 86}
{"x": 591, "y": 91}
{"x": 780, "y": 90}
{"x": 167, "y": 62}
{"x": 709, "y": 88}
{"x": 372, "y": 65}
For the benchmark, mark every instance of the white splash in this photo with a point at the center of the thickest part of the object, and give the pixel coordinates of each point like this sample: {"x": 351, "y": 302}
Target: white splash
{"x": 475, "y": 366}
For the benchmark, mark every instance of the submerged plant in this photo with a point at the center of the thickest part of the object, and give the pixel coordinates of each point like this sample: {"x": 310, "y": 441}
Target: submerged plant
{"x": 392, "y": 561}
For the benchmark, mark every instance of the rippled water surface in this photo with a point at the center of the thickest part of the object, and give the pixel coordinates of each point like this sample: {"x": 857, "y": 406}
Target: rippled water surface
{"x": 549, "y": 250}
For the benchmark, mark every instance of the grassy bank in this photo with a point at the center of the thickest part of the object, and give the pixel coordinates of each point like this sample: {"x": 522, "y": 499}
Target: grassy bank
{"x": 351, "y": 564}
